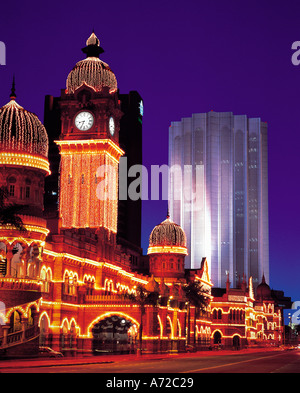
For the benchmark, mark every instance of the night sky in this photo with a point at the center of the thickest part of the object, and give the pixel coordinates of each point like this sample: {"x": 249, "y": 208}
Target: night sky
{"x": 183, "y": 57}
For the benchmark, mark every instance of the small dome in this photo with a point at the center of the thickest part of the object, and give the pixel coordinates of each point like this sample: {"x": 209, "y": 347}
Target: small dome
{"x": 92, "y": 71}
{"x": 22, "y": 131}
{"x": 263, "y": 290}
{"x": 167, "y": 237}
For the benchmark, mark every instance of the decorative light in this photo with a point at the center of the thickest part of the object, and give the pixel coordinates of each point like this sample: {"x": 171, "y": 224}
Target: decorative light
{"x": 167, "y": 249}
{"x": 21, "y": 159}
{"x": 81, "y": 206}
{"x": 94, "y": 73}
{"x": 167, "y": 236}
{"x": 22, "y": 131}
{"x": 30, "y": 228}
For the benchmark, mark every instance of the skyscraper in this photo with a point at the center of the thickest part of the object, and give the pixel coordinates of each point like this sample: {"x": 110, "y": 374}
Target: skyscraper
{"x": 218, "y": 193}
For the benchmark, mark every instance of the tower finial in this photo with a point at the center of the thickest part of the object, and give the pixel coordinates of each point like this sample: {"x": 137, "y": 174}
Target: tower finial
{"x": 13, "y": 89}
{"x": 93, "y": 48}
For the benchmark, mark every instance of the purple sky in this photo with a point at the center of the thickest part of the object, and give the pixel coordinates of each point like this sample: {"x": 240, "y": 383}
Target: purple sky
{"x": 183, "y": 57}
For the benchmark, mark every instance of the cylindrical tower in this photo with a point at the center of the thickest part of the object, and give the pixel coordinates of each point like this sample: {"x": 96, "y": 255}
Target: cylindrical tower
{"x": 23, "y": 167}
{"x": 167, "y": 250}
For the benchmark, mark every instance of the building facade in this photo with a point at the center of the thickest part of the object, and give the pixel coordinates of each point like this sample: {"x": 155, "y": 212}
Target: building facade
{"x": 67, "y": 287}
{"x": 218, "y": 193}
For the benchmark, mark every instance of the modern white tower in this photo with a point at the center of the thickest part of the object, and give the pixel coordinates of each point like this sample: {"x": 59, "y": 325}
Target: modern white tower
{"x": 218, "y": 193}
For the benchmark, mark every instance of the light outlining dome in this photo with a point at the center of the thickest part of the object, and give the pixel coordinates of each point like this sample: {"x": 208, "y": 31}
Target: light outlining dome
{"x": 92, "y": 71}
{"x": 167, "y": 237}
{"x": 23, "y": 138}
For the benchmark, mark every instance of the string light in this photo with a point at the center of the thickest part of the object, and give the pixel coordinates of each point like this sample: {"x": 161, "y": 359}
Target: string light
{"x": 27, "y": 160}
{"x": 94, "y": 73}
{"x": 167, "y": 237}
{"x": 80, "y": 204}
{"x": 167, "y": 249}
{"x": 22, "y": 131}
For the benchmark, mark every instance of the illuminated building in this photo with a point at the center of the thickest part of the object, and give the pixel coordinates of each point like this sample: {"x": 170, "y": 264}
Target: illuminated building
{"x": 240, "y": 318}
{"x": 167, "y": 250}
{"x": 221, "y": 197}
{"x": 23, "y": 167}
{"x": 64, "y": 288}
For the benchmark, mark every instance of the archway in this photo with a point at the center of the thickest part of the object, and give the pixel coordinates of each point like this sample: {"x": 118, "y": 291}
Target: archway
{"x": 44, "y": 329}
{"x": 236, "y": 342}
{"x": 217, "y": 338}
{"x": 114, "y": 334}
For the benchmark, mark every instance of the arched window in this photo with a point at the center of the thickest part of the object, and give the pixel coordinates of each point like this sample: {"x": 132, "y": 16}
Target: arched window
{"x": 217, "y": 337}
{"x": 16, "y": 264}
{"x": 219, "y": 314}
{"x": 27, "y": 188}
{"x": 44, "y": 329}
{"x": 72, "y": 335}
{"x": 11, "y": 186}
{"x": 3, "y": 260}
{"x": 31, "y": 316}
{"x": 15, "y": 322}
{"x": 89, "y": 285}
{"x": 46, "y": 277}
{"x": 70, "y": 283}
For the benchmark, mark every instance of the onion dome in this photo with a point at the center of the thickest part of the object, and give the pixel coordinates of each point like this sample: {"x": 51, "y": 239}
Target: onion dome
{"x": 92, "y": 71}
{"x": 23, "y": 138}
{"x": 167, "y": 237}
{"x": 263, "y": 290}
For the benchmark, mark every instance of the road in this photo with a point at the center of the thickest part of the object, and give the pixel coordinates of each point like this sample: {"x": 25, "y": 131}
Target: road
{"x": 262, "y": 362}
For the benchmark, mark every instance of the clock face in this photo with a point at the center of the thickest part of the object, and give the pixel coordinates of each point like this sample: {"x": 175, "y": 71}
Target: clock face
{"x": 111, "y": 125}
{"x": 84, "y": 121}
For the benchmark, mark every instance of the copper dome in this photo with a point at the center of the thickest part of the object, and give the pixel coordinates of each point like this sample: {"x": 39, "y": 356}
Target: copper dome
{"x": 167, "y": 237}
{"x": 21, "y": 131}
{"x": 92, "y": 71}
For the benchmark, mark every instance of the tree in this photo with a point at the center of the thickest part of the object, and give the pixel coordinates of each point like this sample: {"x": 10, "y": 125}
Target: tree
{"x": 9, "y": 212}
{"x": 142, "y": 297}
{"x": 198, "y": 297}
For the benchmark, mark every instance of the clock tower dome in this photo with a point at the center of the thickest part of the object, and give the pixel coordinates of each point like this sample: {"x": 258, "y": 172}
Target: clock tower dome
{"x": 89, "y": 144}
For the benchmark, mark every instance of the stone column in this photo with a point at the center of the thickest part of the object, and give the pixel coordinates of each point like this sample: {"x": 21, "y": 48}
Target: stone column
{"x": 5, "y": 329}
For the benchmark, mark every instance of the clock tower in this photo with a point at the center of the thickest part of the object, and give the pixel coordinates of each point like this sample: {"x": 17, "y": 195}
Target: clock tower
{"x": 89, "y": 145}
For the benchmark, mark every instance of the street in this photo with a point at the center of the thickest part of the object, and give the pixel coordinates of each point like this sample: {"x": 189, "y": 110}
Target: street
{"x": 229, "y": 362}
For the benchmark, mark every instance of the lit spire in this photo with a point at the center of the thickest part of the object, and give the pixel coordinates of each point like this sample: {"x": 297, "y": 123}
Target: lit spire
{"x": 93, "y": 48}
{"x": 13, "y": 95}
{"x": 93, "y": 40}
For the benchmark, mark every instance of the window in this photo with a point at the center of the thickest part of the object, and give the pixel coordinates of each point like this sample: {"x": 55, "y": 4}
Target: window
{"x": 27, "y": 192}
{"x": 11, "y": 184}
{"x": 11, "y": 190}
